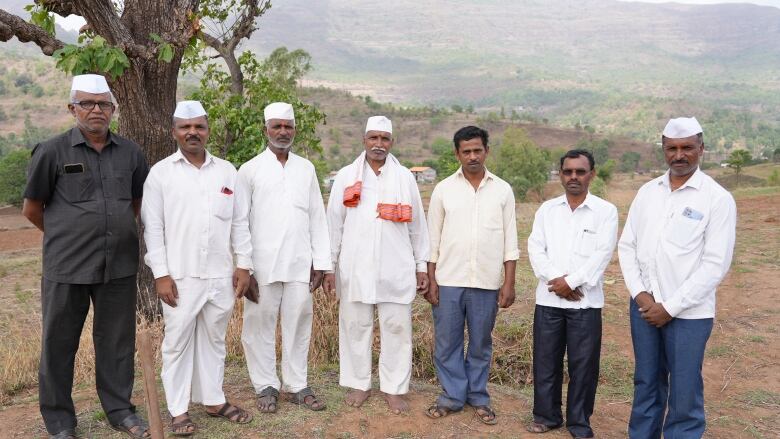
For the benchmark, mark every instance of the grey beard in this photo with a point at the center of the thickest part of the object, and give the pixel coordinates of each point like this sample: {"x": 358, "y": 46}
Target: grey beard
{"x": 279, "y": 146}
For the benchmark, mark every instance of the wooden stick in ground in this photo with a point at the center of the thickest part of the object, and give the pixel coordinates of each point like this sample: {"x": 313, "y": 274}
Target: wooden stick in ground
{"x": 150, "y": 384}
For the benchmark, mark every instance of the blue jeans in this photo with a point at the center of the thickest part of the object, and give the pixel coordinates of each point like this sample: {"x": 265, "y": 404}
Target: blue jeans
{"x": 668, "y": 372}
{"x": 464, "y": 380}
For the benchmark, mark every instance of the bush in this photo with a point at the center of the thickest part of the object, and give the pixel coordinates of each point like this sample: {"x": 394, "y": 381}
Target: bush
{"x": 598, "y": 187}
{"x": 520, "y": 163}
{"x": 13, "y": 168}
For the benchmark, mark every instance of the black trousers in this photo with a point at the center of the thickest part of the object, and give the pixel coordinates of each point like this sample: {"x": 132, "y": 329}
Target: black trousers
{"x": 64, "y": 308}
{"x": 577, "y": 332}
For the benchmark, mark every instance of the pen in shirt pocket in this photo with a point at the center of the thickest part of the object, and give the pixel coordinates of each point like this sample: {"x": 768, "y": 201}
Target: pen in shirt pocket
{"x": 589, "y": 231}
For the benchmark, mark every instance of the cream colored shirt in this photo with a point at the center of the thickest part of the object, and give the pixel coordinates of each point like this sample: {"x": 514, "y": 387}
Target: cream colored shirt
{"x": 678, "y": 245}
{"x": 192, "y": 219}
{"x": 286, "y": 218}
{"x": 376, "y": 259}
{"x": 577, "y": 243}
{"x": 472, "y": 232}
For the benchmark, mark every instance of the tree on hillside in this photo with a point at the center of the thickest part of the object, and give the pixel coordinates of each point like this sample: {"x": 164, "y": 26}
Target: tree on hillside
{"x": 629, "y": 161}
{"x": 520, "y": 163}
{"x": 599, "y": 148}
{"x": 738, "y": 159}
{"x": 446, "y": 162}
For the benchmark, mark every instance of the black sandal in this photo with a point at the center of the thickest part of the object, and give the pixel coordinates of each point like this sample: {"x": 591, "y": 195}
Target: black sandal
{"x": 182, "y": 428}
{"x": 299, "y": 398}
{"x": 272, "y": 395}
{"x": 129, "y": 423}
{"x": 232, "y": 413}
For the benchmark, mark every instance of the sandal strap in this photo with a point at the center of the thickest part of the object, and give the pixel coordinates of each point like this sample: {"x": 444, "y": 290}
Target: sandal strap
{"x": 228, "y": 408}
{"x": 269, "y": 391}
{"x": 303, "y": 393}
{"x": 485, "y": 411}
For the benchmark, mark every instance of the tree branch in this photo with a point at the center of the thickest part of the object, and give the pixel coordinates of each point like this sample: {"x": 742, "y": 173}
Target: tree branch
{"x": 14, "y": 26}
{"x": 60, "y": 7}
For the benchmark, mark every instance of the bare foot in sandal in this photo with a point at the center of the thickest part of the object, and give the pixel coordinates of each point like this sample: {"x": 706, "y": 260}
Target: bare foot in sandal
{"x": 182, "y": 425}
{"x": 486, "y": 415}
{"x": 356, "y": 398}
{"x": 267, "y": 400}
{"x": 396, "y": 403}
{"x": 229, "y": 412}
{"x": 437, "y": 411}
{"x": 536, "y": 427}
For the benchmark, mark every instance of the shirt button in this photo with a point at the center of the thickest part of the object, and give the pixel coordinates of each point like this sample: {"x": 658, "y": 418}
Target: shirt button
{"x": 109, "y": 233}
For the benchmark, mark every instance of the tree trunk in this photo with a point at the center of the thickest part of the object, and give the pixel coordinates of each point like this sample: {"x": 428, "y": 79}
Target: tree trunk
{"x": 146, "y": 96}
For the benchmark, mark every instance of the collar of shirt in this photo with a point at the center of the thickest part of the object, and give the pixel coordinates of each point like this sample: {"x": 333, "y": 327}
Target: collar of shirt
{"x": 488, "y": 176}
{"x": 177, "y": 156}
{"x": 695, "y": 181}
{"x": 78, "y": 139}
{"x": 586, "y": 203}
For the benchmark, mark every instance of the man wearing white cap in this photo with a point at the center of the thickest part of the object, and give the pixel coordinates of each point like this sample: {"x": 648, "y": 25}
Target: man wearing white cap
{"x": 193, "y": 224}
{"x": 379, "y": 242}
{"x": 675, "y": 249}
{"x": 290, "y": 254}
{"x": 84, "y": 191}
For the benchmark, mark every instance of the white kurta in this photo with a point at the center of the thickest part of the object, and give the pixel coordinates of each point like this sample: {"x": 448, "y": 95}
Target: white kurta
{"x": 192, "y": 220}
{"x": 376, "y": 259}
{"x": 289, "y": 236}
{"x": 678, "y": 244}
{"x": 578, "y": 244}
{"x": 286, "y": 218}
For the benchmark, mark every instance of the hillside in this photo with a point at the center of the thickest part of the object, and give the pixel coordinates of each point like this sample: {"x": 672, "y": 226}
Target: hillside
{"x": 620, "y": 67}
{"x": 33, "y": 96}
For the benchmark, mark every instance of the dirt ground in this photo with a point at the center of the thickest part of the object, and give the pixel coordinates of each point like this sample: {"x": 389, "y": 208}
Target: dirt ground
{"x": 741, "y": 371}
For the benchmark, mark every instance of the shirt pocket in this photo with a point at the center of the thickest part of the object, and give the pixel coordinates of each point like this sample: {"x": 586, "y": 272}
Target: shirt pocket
{"x": 588, "y": 241}
{"x": 684, "y": 232}
{"x": 222, "y": 206}
{"x": 123, "y": 184}
{"x": 78, "y": 187}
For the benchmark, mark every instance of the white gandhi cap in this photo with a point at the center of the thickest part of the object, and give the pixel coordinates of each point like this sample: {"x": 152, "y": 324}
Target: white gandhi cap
{"x": 189, "y": 110}
{"x": 90, "y": 83}
{"x": 279, "y": 110}
{"x": 379, "y": 123}
{"x": 682, "y": 127}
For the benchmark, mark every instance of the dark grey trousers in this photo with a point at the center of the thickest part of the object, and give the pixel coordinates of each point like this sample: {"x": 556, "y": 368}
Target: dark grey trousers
{"x": 64, "y": 308}
{"x": 578, "y": 333}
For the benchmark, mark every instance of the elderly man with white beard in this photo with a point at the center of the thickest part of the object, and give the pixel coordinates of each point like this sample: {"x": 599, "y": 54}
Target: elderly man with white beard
{"x": 291, "y": 252}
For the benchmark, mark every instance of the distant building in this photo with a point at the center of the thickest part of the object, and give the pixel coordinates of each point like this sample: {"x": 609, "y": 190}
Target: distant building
{"x": 423, "y": 174}
{"x": 328, "y": 180}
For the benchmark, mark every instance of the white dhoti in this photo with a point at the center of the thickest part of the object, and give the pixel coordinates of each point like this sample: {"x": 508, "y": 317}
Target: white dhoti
{"x": 193, "y": 349}
{"x": 356, "y": 330}
{"x": 293, "y": 301}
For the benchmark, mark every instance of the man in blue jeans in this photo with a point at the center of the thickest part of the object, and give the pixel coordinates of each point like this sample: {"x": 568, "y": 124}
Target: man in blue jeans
{"x": 473, "y": 234}
{"x": 676, "y": 247}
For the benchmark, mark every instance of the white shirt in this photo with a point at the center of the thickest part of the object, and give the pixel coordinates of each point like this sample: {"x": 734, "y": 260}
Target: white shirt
{"x": 578, "y": 244}
{"x": 678, "y": 245}
{"x": 473, "y": 232}
{"x": 376, "y": 259}
{"x": 192, "y": 219}
{"x": 286, "y": 218}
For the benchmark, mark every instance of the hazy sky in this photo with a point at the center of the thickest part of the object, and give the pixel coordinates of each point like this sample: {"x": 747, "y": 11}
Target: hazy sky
{"x": 775, "y": 3}
{"x": 74, "y": 23}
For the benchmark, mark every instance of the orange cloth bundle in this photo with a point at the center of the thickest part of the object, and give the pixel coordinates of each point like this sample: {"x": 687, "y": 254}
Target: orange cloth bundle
{"x": 400, "y": 213}
{"x": 352, "y": 194}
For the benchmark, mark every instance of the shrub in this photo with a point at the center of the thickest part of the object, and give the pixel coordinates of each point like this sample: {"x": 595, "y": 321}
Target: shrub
{"x": 13, "y": 167}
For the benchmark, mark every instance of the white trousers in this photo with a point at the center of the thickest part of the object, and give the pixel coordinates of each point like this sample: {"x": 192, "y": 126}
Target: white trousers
{"x": 193, "y": 349}
{"x": 293, "y": 301}
{"x": 356, "y": 334}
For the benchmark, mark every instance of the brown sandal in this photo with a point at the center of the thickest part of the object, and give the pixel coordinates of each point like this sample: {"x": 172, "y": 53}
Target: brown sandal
{"x": 437, "y": 411}
{"x": 182, "y": 428}
{"x": 485, "y": 414}
{"x": 300, "y": 398}
{"x": 232, "y": 414}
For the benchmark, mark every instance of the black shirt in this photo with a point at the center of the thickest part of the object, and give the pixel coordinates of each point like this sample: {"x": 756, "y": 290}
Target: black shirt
{"x": 90, "y": 233}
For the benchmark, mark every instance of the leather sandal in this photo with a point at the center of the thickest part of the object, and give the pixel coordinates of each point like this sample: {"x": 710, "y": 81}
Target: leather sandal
{"x": 130, "y": 423}
{"x": 232, "y": 414}
{"x": 270, "y": 397}
{"x": 301, "y": 396}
